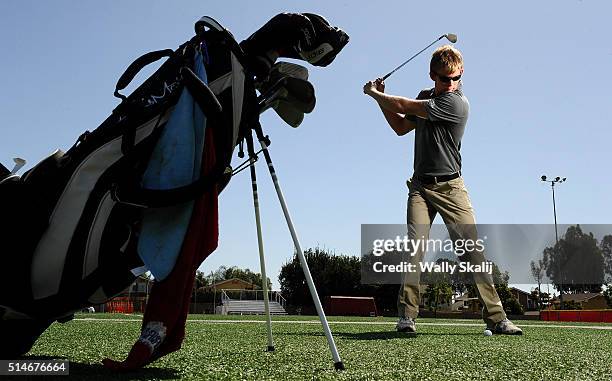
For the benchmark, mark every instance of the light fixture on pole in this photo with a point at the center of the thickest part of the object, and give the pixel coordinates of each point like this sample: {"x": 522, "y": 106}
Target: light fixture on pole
{"x": 552, "y": 185}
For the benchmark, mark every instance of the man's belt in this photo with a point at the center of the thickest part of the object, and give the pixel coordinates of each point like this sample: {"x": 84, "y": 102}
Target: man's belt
{"x": 424, "y": 179}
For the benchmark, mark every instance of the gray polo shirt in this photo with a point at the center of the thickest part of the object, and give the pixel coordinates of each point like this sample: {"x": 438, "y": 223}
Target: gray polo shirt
{"x": 438, "y": 138}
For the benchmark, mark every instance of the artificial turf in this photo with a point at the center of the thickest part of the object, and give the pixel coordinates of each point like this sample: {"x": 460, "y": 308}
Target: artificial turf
{"x": 234, "y": 348}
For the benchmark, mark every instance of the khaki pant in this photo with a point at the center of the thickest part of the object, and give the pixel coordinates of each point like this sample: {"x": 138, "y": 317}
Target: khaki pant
{"x": 450, "y": 199}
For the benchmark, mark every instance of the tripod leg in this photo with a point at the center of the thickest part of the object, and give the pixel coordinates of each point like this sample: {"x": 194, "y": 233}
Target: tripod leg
{"x": 262, "y": 259}
{"x": 313, "y": 291}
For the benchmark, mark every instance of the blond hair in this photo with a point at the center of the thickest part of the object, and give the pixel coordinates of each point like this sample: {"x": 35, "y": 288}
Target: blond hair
{"x": 446, "y": 59}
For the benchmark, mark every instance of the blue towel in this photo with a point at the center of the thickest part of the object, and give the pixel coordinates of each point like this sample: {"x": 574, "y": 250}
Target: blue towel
{"x": 176, "y": 161}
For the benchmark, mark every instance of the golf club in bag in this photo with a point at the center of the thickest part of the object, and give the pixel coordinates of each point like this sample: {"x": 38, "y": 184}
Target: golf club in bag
{"x": 449, "y": 36}
{"x": 77, "y": 219}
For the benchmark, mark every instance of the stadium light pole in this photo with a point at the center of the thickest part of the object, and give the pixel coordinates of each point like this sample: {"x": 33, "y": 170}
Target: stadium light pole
{"x": 556, "y": 180}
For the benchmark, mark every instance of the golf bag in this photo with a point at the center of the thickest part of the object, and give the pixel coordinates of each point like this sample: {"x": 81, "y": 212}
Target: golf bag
{"x": 74, "y": 217}
{"x": 72, "y": 222}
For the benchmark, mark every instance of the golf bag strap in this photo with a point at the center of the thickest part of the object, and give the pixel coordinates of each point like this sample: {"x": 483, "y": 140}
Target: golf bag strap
{"x": 160, "y": 198}
{"x": 217, "y": 31}
{"x": 138, "y": 65}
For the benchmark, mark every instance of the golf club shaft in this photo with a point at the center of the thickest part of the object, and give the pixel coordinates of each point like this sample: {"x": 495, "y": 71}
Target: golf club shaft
{"x": 313, "y": 291}
{"x": 411, "y": 58}
{"x": 262, "y": 259}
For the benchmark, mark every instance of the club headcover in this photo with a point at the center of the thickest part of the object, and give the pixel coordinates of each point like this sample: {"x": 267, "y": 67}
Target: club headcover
{"x": 329, "y": 41}
{"x": 308, "y": 37}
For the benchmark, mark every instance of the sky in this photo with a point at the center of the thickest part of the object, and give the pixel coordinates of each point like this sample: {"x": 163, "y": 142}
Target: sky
{"x": 535, "y": 76}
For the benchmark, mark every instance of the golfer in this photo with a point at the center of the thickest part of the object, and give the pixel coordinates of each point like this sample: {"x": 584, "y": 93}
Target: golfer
{"x": 438, "y": 116}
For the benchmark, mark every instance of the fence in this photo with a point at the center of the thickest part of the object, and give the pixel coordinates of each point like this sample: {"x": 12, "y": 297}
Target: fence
{"x": 591, "y": 316}
{"x": 125, "y": 305}
{"x": 235, "y": 294}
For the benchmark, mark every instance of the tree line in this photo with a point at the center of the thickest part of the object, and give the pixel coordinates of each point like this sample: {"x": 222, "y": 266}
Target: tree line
{"x": 578, "y": 263}
{"x": 341, "y": 275}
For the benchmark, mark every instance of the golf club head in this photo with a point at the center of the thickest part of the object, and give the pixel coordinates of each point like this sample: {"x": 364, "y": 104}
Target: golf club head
{"x": 300, "y": 94}
{"x": 19, "y": 163}
{"x": 288, "y": 113}
{"x": 288, "y": 69}
{"x": 451, "y": 37}
{"x": 290, "y": 98}
{"x": 278, "y": 71}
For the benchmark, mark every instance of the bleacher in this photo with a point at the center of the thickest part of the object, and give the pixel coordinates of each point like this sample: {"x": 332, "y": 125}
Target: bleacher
{"x": 251, "y": 307}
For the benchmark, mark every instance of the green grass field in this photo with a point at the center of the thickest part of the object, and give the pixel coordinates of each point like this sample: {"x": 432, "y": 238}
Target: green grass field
{"x": 234, "y": 348}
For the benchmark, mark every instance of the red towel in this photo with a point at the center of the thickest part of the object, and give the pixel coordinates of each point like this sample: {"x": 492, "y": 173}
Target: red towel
{"x": 163, "y": 324}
